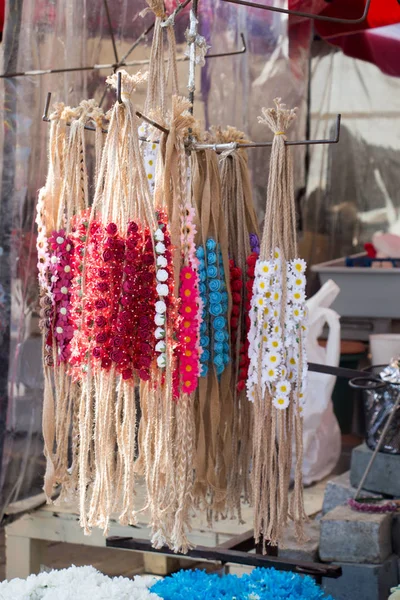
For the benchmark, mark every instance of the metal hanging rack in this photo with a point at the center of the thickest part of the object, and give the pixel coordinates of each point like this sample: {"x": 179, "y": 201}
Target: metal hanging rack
{"x": 297, "y": 13}
{"x": 236, "y": 549}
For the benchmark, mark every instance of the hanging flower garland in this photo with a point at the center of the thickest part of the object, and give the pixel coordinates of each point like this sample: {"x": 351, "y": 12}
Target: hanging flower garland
{"x": 277, "y": 372}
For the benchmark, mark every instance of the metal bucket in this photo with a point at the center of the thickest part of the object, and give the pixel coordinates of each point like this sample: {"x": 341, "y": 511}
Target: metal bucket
{"x": 379, "y": 402}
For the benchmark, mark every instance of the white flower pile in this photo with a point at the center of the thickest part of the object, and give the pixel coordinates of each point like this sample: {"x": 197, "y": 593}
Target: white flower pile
{"x": 277, "y": 355}
{"x": 77, "y": 583}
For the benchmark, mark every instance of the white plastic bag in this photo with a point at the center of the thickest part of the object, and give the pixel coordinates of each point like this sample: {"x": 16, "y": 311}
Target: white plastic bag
{"x": 321, "y": 437}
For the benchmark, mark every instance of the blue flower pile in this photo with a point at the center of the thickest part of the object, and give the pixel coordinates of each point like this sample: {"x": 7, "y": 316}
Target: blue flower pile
{"x": 261, "y": 584}
{"x": 214, "y": 296}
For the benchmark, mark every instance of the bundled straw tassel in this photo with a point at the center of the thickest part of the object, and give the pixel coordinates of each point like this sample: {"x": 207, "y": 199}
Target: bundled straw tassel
{"x": 278, "y": 367}
{"x": 242, "y": 227}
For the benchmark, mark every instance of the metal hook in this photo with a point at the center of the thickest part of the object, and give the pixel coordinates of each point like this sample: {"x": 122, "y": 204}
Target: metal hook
{"x": 297, "y": 13}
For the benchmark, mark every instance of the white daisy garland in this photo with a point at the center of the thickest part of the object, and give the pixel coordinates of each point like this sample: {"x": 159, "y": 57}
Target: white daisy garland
{"x": 279, "y": 352}
{"x": 162, "y": 291}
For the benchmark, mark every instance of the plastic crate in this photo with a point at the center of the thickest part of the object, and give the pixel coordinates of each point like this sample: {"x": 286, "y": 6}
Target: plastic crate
{"x": 364, "y": 291}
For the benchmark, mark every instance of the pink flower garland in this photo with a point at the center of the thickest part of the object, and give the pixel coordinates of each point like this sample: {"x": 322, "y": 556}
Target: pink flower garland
{"x": 60, "y": 266}
{"x": 187, "y": 370}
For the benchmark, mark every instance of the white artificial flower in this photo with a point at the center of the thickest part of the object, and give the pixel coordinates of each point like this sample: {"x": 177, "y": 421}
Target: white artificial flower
{"x": 298, "y": 265}
{"x": 261, "y": 286}
{"x": 276, "y": 296}
{"x": 159, "y": 333}
{"x": 161, "y": 261}
{"x": 297, "y": 281}
{"x": 259, "y": 302}
{"x": 161, "y": 346}
{"x": 251, "y": 394}
{"x": 273, "y": 359}
{"x": 280, "y": 402}
{"x": 159, "y": 235}
{"x": 160, "y": 248}
{"x": 274, "y": 344}
{"x": 283, "y": 387}
{"x": 263, "y": 268}
{"x": 162, "y": 275}
{"x": 277, "y": 253}
{"x": 298, "y": 296}
{"x": 161, "y": 307}
{"x": 54, "y": 260}
{"x": 276, "y": 330}
{"x": 297, "y": 313}
{"x": 269, "y": 374}
{"x": 162, "y": 361}
{"x": 159, "y": 320}
{"x": 162, "y": 289}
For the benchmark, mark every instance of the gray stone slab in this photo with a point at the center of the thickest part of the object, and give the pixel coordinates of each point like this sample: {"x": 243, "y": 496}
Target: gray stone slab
{"x": 355, "y": 537}
{"x": 291, "y": 549}
{"x": 339, "y": 490}
{"x": 364, "y": 582}
{"x": 384, "y": 476}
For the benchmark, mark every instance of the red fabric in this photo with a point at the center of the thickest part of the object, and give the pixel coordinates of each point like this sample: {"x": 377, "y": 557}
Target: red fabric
{"x": 381, "y": 13}
{"x": 2, "y": 11}
{"x": 379, "y": 46}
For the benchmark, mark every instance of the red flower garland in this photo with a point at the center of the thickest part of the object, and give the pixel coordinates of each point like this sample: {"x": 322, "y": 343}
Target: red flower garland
{"x": 132, "y": 335}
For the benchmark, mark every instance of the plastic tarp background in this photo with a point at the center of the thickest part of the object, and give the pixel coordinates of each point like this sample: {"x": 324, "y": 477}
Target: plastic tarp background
{"x": 67, "y": 33}
{"x": 352, "y": 188}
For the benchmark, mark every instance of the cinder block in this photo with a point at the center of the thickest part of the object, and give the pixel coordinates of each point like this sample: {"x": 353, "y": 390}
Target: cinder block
{"x": 339, "y": 490}
{"x": 355, "y": 537}
{"x": 291, "y": 549}
{"x": 384, "y": 475}
{"x": 363, "y": 582}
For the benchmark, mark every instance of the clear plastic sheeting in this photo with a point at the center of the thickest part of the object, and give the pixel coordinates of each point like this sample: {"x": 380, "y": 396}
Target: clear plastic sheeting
{"x": 75, "y": 33}
{"x": 352, "y": 187}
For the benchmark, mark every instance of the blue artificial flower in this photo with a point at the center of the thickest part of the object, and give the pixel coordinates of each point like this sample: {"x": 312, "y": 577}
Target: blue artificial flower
{"x": 202, "y": 276}
{"x": 224, "y": 296}
{"x": 218, "y": 347}
{"x": 204, "y": 370}
{"x": 219, "y": 336}
{"x": 211, "y": 244}
{"x": 211, "y": 258}
{"x": 204, "y": 341}
{"x": 227, "y": 358}
{"x": 200, "y": 252}
{"x": 226, "y": 347}
{"x": 263, "y": 584}
{"x": 202, "y": 264}
{"x": 205, "y": 356}
{"x": 212, "y": 271}
{"x": 216, "y": 309}
{"x": 220, "y": 369}
{"x": 215, "y": 297}
{"x": 218, "y": 360}
{"x": 219, "y": 323}
{"x": 214, "y": 285}
{"x": 203, "y": 327}
{"x": 202, "y": 288}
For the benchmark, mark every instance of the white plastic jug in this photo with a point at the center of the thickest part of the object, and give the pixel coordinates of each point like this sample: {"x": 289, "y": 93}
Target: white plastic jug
{"x": 321, "y": 438}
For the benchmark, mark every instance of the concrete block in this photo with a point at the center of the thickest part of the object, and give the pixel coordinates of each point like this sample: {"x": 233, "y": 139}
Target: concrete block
{"x": 291, "y": 549}
{"x": 355, "y": 537}
{"x": 396, "y": 534}
{"x": 363, "y": 582}
{"x": 384, "y": 475}
{"x": 339, "y": 490}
